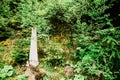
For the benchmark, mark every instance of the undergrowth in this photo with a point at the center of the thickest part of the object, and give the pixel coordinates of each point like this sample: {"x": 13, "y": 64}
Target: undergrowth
{"x": 85, "y": 33}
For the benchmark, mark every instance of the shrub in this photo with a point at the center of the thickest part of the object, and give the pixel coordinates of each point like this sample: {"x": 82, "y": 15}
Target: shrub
{"x": 20, "y": 56}
{"x": 54, "y": 54}
{"x": 21, "y": 50}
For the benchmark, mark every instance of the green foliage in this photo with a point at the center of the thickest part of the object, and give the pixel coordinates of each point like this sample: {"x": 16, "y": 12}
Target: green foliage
{"x": 21, "y": 50}
{"x": 91, "y": 25}
{"x": 92, "y": 69}
{"x": 21, "y": 77}
{"x": 31, "y": 15}
{"x": 20, "y": 56}
{"x": 79, "y": 77}
{"x": 100, "y": 56}
{"x": 1, "y": 49}
{"x": 54, "y": 54}
{"x": 7, "y": 71}
{"x": 5, "y": 9}
{"x": 7, "y": 13}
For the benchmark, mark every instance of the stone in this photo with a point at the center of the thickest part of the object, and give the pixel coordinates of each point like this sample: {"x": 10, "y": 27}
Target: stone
{"x": 68, "y": 71}
{"x": 33, "y": 74}
{"x": 33, "y": 56}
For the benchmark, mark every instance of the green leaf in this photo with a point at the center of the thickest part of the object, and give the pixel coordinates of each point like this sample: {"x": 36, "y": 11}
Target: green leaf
{"x": 21, "y": 77}
{"x": 2, "y": 75}
{"x": 79, "y": 77}
{"x": 62, "y": 79}
{"x": 6, "y": 71}
{"x": 10, "y": 73}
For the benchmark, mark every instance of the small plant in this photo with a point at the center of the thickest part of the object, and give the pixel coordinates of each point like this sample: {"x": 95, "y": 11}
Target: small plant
{"x": 54, "y": 54}
{"x": 20, "y": 56}
{"x": 79, "y": 77}
{"x": 21, "y": 77}
{"x": 7, "y": 71}
{"x": 1, "y": 49}
{"x": 21, "y": 49}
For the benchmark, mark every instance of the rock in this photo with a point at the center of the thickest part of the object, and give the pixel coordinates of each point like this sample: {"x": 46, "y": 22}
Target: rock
{"x": 32, "y": 73}
{"x": 68, "y": 71}
{"x": 33, "y": 56}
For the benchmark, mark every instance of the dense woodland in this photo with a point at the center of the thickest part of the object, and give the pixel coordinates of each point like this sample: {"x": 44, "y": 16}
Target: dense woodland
{"x": 84, "y": 34}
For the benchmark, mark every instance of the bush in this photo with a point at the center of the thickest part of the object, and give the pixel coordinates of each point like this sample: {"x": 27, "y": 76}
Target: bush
{"x": 103, "y": 53}
{"x": 54, "y": 54}
{"x": 21, "y": 50}
{"x": 20, "y": 56}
